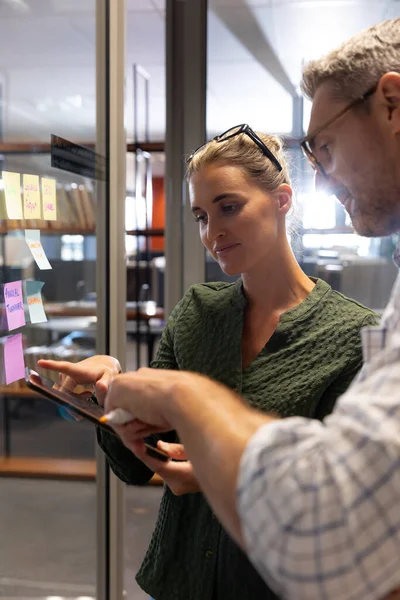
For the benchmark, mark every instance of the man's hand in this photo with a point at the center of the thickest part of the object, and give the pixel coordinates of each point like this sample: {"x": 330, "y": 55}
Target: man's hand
{"x": 98, "y": 371}
{"x": 213, "y": 423}
{"x": 150, "y": 396}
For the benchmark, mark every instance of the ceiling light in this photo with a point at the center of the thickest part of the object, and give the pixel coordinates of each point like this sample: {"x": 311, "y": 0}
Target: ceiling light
{"x": 74, "y": 101}
{"x": 19, "y": 5}
{"x": 64, "y": 106}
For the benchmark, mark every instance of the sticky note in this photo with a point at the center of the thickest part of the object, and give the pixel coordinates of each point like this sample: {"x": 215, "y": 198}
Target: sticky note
{"x": 14, "y": 302}
{"x": 35, "y": 301}
{"x": 49, "y": 199}
{"x": 14, "y": 365}
{"x": 32, "y": 237}
{"x": 12, "y": 192}
{"x": 32, "y": 205}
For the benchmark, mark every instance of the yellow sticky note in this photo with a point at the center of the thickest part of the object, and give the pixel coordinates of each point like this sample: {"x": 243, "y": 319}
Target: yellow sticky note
{"x": 49, "y": 199}
{"x": 12, "y": 192}
{"x": 32, "y": 209}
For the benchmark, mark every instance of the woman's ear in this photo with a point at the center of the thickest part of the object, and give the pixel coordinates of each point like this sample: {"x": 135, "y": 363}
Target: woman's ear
{"x": 284, "y": 196}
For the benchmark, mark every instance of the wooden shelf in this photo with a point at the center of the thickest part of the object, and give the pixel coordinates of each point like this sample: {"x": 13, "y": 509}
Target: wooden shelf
{"x": 146, "y": 232}
{"x": 4, "y": 229}
{"x": 55, "y": 468}
{"x": 48, "y": 468}
{"x": 14, "y": 392}
{"x": 64, "y": 309}
{"x": 146, "y": 146}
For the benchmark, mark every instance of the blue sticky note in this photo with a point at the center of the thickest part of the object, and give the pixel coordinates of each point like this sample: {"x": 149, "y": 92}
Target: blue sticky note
{"x": 35, "y": 301}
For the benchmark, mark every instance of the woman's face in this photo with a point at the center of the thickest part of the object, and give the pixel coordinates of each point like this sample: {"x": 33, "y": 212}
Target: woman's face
{"x": 240, "y": 224}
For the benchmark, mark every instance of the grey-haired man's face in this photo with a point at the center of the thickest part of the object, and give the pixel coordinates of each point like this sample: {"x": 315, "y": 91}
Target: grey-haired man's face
{"x": 360, "y": 153}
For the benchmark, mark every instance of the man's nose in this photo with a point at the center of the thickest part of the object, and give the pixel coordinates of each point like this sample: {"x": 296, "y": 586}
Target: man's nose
{"x": 321, "y": 182}
{"x": 327, "y": 184}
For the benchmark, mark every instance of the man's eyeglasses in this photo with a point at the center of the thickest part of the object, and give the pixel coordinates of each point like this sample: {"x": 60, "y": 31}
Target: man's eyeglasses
{"x": 308, "y": 141}
{"x": 237, "y": 130}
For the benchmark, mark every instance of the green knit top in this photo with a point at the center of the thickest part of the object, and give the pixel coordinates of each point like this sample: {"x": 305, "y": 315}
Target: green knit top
{"x": 308, "y": 362}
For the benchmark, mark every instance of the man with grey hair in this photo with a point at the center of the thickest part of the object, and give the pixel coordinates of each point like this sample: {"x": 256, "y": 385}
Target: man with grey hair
{"x": 315, "y": 505}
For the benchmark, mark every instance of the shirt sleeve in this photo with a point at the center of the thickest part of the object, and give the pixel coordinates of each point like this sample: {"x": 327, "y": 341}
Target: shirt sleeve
{"x": 319, "y": 502}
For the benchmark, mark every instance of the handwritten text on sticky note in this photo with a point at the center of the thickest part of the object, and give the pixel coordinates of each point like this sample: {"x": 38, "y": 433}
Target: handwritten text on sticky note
{"x": 14, "y": 303}
{"x": 32, "y": 204}
{"x": 14, "y": 365}
{"x": 12, "y": 192}
{"x": 32, "y": 237}
{"x": 35, "y": 301}
{"x": 49, "y": 199}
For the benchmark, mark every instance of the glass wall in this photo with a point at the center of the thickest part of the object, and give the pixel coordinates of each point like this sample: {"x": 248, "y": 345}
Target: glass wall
{"x": 51, "y": 181}
{"x": 145, "y": 114}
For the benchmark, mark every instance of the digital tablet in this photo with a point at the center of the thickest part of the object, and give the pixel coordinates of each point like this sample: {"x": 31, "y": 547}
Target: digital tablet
{"x": 85, "y": 407}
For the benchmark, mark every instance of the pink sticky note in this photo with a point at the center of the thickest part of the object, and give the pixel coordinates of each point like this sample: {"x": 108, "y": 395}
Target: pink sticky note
{"x": 14, "y": 365}
{"x": 14, "y": 303}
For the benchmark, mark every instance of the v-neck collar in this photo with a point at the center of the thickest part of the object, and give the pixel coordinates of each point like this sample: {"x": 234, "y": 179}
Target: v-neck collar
{"x": 296, "y": 312}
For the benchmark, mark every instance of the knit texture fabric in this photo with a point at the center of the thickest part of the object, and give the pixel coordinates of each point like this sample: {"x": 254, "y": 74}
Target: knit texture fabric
{"x": 308, "y": 362}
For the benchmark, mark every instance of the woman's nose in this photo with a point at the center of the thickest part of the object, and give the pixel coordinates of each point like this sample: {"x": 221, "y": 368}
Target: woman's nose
{"x": 214, "y": 230}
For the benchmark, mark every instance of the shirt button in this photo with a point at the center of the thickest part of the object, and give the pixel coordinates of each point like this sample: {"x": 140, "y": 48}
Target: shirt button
{"x": 209, "y": 554}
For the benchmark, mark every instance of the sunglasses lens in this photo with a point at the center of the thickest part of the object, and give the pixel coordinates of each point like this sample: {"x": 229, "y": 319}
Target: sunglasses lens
{"x": 230, "y": 133}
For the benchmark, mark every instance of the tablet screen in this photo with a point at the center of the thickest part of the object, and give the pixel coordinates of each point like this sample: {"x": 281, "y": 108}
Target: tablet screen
{"x": 52, "y": 390}
{"x": 79, "y": 404}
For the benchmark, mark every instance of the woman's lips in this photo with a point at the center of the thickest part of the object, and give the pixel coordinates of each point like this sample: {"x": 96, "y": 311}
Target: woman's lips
{"x": 226, "y": 249}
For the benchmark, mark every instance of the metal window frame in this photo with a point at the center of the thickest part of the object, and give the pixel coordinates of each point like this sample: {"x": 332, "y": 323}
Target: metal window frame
{"x": 111, "y": 272}
{"x": 186, "y": 57}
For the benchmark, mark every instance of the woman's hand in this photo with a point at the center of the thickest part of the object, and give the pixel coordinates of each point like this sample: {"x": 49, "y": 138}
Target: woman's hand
{"x": 98, "y": 371}
{"x": 178, "y": 476}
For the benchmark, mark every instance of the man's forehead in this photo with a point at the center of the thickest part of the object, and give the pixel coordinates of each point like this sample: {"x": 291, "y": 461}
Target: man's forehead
{"x": 323, "y": 108}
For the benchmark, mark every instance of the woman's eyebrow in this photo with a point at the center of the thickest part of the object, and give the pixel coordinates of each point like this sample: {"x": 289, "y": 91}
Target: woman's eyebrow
{"x": 218, "y": 199}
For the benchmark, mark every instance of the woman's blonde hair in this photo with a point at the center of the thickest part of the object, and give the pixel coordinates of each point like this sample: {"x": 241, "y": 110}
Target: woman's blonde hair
{"x": 242, "y": 152}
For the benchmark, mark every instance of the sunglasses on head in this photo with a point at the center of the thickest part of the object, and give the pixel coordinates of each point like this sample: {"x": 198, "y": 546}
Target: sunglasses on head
{"x": 238, "y": 130}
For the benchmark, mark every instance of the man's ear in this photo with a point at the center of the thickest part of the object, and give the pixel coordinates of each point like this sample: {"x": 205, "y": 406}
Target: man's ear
{"x": 389, "y": 89}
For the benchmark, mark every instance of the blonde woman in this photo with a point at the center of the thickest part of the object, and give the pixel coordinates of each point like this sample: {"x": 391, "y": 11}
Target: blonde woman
{"x": 287, "y": 343}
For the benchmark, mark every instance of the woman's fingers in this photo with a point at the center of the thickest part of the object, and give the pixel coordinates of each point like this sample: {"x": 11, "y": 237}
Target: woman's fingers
{"x": 78, "y": 372}
{"x": 175, "y": 451}
{"x": 102, "y": 386}
{"x": 96, "y": 370}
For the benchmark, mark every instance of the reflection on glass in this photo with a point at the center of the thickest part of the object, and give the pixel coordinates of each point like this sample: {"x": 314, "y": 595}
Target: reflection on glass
{"x": 48, "y": 525}
{"x": 145, "y": 211}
